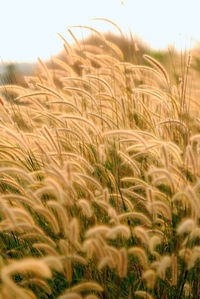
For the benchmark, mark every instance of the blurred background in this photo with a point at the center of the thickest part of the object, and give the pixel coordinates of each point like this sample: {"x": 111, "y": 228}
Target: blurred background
{"x": 29, "y": 28}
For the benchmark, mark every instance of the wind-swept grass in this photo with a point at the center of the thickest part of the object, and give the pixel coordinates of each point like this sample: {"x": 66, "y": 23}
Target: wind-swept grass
{"x": 99, "y": 181}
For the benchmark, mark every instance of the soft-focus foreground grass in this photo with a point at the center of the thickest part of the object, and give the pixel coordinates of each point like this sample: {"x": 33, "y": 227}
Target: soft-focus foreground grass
{"x": 99, "y": 179}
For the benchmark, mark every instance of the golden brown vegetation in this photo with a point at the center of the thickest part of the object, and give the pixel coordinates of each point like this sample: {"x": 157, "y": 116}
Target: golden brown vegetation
{"x": 99, "y": 180}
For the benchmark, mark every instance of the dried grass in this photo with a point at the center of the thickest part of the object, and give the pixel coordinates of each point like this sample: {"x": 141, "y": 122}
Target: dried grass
{"x": 99, "y": 180}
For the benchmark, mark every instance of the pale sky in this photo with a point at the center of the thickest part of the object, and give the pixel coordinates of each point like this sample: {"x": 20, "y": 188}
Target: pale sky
{"x": 28, "y": 28}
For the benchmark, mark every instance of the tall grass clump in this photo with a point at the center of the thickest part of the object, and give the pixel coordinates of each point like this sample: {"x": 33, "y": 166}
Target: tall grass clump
{"x": 99, "y": 179}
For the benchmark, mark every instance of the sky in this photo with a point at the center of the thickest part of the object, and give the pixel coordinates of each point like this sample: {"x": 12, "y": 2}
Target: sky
{"x": 28, "y": 28}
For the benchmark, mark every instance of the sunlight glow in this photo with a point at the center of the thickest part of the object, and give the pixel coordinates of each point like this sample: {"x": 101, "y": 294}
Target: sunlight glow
{"x": 28, "y": 29}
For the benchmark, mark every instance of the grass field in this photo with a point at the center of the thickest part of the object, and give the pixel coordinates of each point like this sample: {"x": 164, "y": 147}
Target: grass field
{"x": 99, "y": 178}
